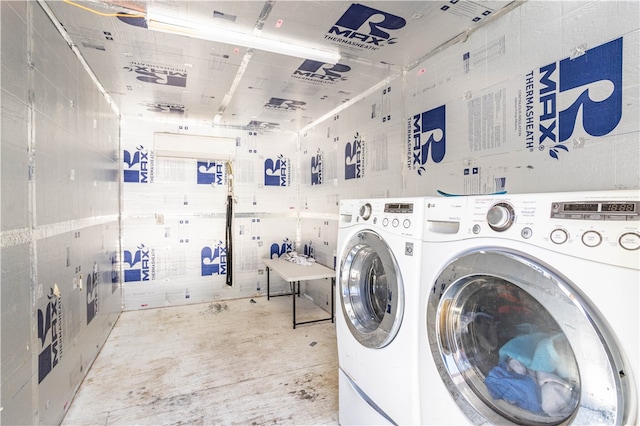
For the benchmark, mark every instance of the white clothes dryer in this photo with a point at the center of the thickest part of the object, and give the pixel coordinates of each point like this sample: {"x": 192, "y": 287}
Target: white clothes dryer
{"x": 530, "y": 310}
{"x": 377, "y": 322}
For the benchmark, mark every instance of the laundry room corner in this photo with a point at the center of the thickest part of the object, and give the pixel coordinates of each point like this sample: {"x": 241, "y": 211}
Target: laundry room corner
{"x": 320, "y": 212}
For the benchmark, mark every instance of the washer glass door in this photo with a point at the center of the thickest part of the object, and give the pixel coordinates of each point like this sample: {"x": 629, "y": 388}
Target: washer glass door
{"x": 371, "y": 290}
{"x": 514, "y": 341}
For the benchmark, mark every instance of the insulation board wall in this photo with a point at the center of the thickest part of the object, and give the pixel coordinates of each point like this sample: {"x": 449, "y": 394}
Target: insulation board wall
{"x": 469, "y": 119}
{"x": 456, "y": 123}
{"x": 544, "y": 99}
{"x": 174, "y": 216}
{"x": 60, "y": 293}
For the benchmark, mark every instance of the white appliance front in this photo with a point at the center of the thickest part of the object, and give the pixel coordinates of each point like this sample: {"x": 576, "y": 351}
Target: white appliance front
{"x": 377, "y": 322}
{"x": 530, "y": 310}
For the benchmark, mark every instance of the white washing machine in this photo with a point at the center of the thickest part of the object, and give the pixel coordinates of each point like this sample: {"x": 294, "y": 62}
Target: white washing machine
{"x": 377, "y": 320}
{"x": 530, "y": 310}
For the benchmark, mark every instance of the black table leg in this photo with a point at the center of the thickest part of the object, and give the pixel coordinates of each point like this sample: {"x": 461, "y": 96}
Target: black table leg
{"x": 293, "y": 296}
{"x": 333, "y": 299}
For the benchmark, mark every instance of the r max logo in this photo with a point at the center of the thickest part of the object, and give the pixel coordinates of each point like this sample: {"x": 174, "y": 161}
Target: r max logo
{"x": 309, "y": 250}
{"x": 92, "y": 286}
{"x": 263, "y": 125}
{"x": 317, "y": 167}
{"x": 138, "y": 264}
{"x": 354, "y": 158}
{"x": 365, "y": 27}
{"x": 165, "y": 107}
{"x": 158, "y": 75}
{"x": 426, "y": 137}
{"x": 50, "y": 334}
{"x": 136, "y": 165}
{"x": 278, "y": 250}
{"x": 211, "y": 173}
{"x": 285, "y": 104}
{"x": 213, "y": 261}
{"x": 278, "y": 172}
{"x": 114, "y": 273}
{"x": 576, "y": 96}
{"x": 321, "y": 72}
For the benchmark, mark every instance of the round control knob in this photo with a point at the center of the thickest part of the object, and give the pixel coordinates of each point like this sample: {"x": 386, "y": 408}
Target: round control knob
{"x": 501, "y": 216}
{"x": 630, "y": 241}
{"x": 385, "y": 222}
{"x": 559, "y": 236}
{"x": 395, "y": 223}
{"x": 591, "y": 239}
{"x": 406, "y": 223}
{"x": 365, "y": 211}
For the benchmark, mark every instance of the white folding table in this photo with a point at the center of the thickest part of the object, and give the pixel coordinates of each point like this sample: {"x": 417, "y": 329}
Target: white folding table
{"x": 293, "y": 274}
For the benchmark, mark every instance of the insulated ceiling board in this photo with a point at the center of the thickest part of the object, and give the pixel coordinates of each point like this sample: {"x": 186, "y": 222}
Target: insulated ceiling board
{"x": 158, "y": 76}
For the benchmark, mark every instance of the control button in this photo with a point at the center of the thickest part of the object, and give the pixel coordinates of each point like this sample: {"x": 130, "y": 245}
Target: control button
{"x": 375, "y": 220}
{"x": 365, "y": 211}
{"x": 526, "y": 233}
{"x": 385, "y": 222}
{"x": 476, "y": 229}
{"x": 500, "y": 217}
{"x": 630, "y": 241}
{"x": 395, "y": 223}
{"x": 591, "y": 238}
{"x": 406, "y": 223}
{"x": 559, "y": 236}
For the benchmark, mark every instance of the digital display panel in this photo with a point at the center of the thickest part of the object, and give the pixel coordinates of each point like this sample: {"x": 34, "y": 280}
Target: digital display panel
{"x": 619, "y": 207}
{"x": 598, "y": 210}
{"x": 398, "y": 208}
{"x": 581, "y": 207}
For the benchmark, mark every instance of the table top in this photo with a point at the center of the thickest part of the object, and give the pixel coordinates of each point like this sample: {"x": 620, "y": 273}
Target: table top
{"x": 290, "y": 271}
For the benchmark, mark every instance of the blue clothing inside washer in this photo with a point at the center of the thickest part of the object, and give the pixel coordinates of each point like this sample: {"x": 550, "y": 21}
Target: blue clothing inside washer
{"x": 523, "y": 348}
{"x": 518, "y": 389}
{"x": 534, "y": 373}
{"x": 538, "y": 351}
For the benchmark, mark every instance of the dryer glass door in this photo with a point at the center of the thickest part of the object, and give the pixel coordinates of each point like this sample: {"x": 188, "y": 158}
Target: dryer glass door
{"x": 371, "y": 290}
{"x": 514, "y": 341}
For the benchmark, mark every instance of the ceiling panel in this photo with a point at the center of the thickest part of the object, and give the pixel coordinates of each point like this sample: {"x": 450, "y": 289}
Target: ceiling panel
{"x": 157, "y": 76}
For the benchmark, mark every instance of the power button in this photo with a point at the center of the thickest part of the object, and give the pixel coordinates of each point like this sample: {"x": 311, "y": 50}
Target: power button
{"x": 526, "y": 233}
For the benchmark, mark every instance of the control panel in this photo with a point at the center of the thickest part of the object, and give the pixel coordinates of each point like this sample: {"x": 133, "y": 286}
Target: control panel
{"x": 603, "y": 227}
{"x": 616, "y": 211}
{"x": 596, "y": 210}
{"x": 397, "y": 216}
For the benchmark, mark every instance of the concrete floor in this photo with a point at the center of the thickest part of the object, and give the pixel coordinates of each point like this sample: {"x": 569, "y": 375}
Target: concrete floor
{"x": 227, "y": 362}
